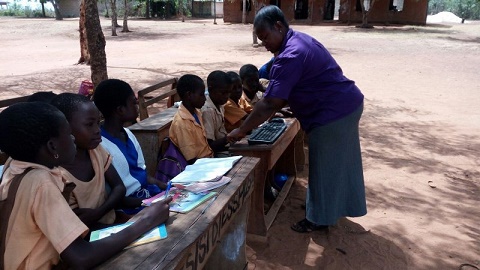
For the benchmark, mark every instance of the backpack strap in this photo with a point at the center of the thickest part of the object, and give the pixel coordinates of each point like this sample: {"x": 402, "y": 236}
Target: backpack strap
{"x": 6, "y": 207}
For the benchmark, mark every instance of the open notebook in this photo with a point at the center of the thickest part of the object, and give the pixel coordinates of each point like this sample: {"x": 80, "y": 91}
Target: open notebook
{"x": 155, "y": 234}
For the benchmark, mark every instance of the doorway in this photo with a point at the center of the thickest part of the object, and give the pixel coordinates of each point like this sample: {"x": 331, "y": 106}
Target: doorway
{"x": 332, "y": 7}
{"x": 276, "y": 3}
{"x": 301, "y": 9}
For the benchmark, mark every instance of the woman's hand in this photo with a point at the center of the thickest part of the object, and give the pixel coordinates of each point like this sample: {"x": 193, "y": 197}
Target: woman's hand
{"x": 235, "y": 136}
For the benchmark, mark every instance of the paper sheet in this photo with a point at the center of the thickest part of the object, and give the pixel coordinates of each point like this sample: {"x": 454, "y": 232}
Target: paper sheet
{"x": 206, "y": 169}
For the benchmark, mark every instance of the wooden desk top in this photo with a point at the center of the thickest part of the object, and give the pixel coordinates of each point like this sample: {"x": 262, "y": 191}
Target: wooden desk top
{"x": 192, "y": 237}
{"x": 271, "y": 152}
{"x": 154, "y": 122}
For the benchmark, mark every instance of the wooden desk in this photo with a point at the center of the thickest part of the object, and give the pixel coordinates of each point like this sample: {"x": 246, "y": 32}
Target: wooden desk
{"x": 199, "y": 240}
{"x": 150, "y": 133}
{"x": 278, "y": 157}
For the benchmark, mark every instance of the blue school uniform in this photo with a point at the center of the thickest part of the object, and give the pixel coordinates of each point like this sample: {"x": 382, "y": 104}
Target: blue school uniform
{"x": 129, "y": 162}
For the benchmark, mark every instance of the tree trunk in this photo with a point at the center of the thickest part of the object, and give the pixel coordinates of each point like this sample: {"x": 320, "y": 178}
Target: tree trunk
{"x": 84, "y": 55}
{"x": 96, "y": 43}
{"x": 214, "y": 11}
{"x": 244, "y": 11}
{"x": 183, "y": 10}
{"x": 106, "y": 10}
{"x": 43, "y": 9}
{"x": 125, "y": 18}
{"x": 365, "y": 14}
{"x": 113, "y": 5}
{"x": 255, "y": 9}
{"x": 147, "y": 9}
{"x": 364, "y": 18}
{"x": 58, "y": 15}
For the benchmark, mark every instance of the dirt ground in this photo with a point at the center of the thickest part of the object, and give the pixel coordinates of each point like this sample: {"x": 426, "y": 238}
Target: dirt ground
{"x": 420, "y": 131}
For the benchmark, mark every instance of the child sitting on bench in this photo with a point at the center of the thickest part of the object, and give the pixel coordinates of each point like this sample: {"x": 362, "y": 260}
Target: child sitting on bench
{"x": 117, "y": 102}
{"x": 252, "y": 89}
{"x": 38, "y": 230}
{"x": 219, "y": 88}
{"x": 187, "y": 131}
{"x": 234, "y": 109}
{"x": 91, "y": 170}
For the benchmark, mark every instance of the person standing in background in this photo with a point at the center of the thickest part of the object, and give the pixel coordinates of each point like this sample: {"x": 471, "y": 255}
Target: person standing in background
{"x": 328, "y": 105}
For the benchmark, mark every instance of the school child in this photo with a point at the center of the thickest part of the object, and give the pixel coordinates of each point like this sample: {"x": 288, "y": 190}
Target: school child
{"x": 186, "y": 130}
{"x": 42, "y": 96}
{"x": 117, "y": 102}
{"x": 234, "y": 109}
{"x": 219, "y": 88}
{"x": 91, "y": 169}
{"x": 264, "y": 71}
{"x": 252, "y": 89}
{"x": 39, "y": 230}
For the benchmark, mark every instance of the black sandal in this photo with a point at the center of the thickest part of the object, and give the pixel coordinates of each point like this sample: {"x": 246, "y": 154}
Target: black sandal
{"x": 305, "y": 226}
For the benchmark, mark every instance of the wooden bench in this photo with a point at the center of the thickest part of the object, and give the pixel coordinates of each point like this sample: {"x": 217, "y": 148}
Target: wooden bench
{"x": 145, "y": 100}
{"x": 7, "y": 102}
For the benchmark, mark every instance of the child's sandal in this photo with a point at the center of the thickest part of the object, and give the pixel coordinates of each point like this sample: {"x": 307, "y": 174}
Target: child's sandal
{"x": 305, "y": 226}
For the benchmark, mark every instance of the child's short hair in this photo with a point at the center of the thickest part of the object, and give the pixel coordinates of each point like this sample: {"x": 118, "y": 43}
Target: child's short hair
{"x": 217, "y": 79}
{"x": 43, "y": 96}
{"x": 247, "y": 70}
{"x": 68, "y": 103}
{"x": 111, "y": 94}
{"x": 189, "y": 82}
{"x": 25, "y": 127}
{"x": 233, "y": 76}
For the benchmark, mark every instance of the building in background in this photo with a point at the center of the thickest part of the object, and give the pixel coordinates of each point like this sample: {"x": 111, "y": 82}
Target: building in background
{"x": 345, "y": 11}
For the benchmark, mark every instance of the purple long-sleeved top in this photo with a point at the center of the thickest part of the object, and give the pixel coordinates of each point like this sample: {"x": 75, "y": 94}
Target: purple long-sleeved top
{"x": 306, "y": 75}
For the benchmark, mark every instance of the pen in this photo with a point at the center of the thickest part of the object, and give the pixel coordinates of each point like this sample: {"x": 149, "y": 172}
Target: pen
{"x": 208, "y": 205}
{"x": 169, "y": 185}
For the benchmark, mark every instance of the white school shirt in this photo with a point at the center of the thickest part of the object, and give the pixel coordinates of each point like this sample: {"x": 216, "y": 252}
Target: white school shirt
{"x": 120, "y": 162}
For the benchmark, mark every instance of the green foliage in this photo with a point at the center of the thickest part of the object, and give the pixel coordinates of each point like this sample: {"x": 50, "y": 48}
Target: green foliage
{"x": 13, "y": 9}
{"x": 17, "y": 10}
{"x": 182, "y": 7}
{"x": 467, "y": 9}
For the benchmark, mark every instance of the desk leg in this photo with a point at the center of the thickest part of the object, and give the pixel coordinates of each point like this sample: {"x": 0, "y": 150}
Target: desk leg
{"x": 286, "y": 164}
{"x": 231, "y": 253}
{"x": 256, "y": 217}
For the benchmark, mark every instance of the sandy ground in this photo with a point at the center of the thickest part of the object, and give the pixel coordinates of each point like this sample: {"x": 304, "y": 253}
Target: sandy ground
{"x": 420, "y": 131}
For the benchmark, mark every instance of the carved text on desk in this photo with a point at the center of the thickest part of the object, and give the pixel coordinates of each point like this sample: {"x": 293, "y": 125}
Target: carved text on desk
{"x": 206, "y": 244}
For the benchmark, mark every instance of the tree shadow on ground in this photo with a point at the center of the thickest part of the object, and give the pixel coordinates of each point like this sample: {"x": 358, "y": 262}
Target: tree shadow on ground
{"x": 424, "y": 148}
{"x": 418, "y": 148}
{"x": 139, "y": 33}
{"x": 466, "y": 40}
{"x": 341, "y": 248}
{"x": 69, "y": 81}
{"x": 406, "y": 30}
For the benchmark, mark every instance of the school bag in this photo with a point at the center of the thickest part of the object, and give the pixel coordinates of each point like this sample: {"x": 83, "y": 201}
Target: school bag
{"x": 171, "y": 161}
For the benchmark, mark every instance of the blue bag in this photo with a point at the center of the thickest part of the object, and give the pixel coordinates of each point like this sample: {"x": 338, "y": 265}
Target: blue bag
{"x": 170, "y": 163}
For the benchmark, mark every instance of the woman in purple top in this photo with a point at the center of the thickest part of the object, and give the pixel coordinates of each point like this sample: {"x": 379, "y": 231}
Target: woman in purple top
{"x": 328, "y": 105}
